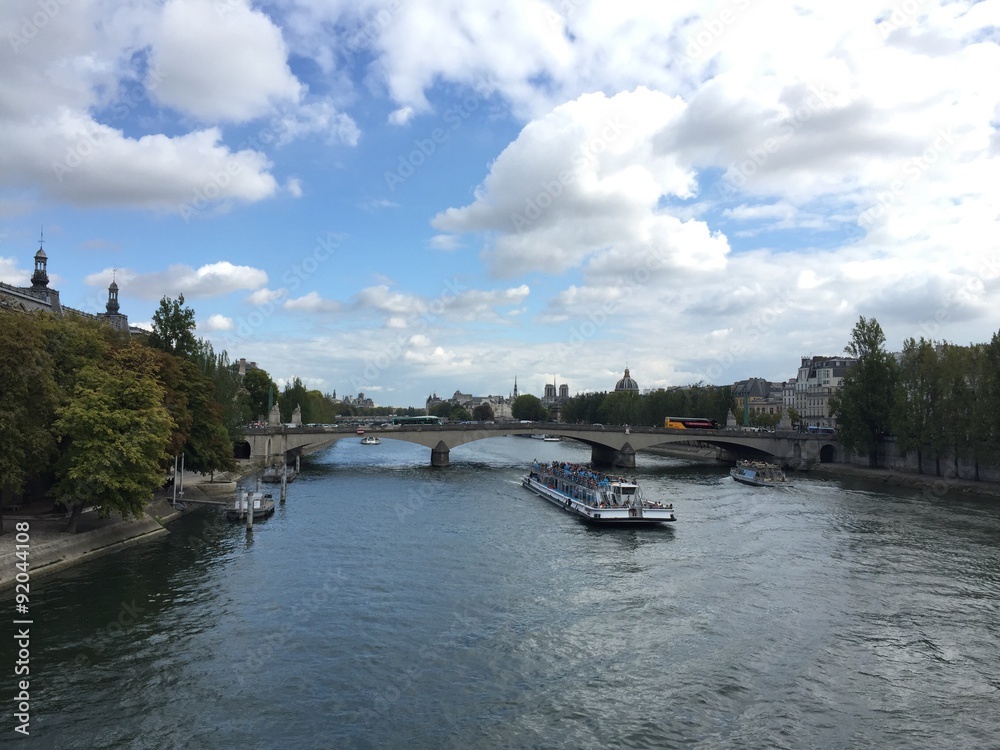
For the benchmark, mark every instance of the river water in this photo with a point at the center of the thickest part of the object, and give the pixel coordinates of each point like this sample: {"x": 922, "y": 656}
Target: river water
{"x": 390, "y": 605}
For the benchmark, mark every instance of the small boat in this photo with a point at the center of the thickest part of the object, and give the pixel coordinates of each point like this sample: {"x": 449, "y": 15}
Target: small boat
{"x": 261, "y": 505}
{"x": 551, "y": 438}
{"x": 371, "y": 440}
{"x": 595, "y": 497}
{"x": 759, "y": 474}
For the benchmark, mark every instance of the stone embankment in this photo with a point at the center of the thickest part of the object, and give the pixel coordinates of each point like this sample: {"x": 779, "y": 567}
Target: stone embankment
{"x": 894, "y": 477}
{"x": 51, "y": 548}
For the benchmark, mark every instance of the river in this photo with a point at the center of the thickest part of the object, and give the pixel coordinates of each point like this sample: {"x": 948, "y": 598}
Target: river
{"x": 390, "y": 605}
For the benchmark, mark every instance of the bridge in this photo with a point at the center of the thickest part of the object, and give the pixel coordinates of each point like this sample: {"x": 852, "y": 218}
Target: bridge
{"x": 609, "y": 445}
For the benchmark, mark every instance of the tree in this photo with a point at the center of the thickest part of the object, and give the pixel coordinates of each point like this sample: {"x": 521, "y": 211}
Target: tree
{"x": 173, "y": 328}
{"x": 294, "y": 395}
{"x": 914, "y": 402}
{"x": 113, "y": 432}
{"x": 795, "y": 417}
{"x": 441, "y": 409}
{"x": 483, "y": 413}
{"x": 460, "y": 414}
{"x": 201, "y": 432}
{"x": 28, "y": 398}
{"x": 621, "y": 407}
{"x": 864, "y": 405}
{"x": 259, "y": 389}
{"x": 530, "y": 408}
{"x": 956, "y": 406}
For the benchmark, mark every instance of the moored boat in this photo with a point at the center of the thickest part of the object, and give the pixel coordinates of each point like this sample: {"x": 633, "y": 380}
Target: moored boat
{"x": 595, "y": 497}
{"x": 759, "y": 474}
{"x": 272, "y": 474}
{"x": 261, "y": 504}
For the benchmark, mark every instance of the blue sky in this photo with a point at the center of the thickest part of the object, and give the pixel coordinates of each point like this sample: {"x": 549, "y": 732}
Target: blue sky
{"x": 408, "y": 197}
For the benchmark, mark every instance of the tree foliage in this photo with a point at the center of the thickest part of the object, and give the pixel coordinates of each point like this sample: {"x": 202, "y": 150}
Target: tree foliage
{"x": 113, "y": 432}
{"x": 529, "y": 407}
{"x": 864, "y": 405}
{"x": 28, "y": 398}
{"x": 97, "y": 416}
{"x": 650, "y": 410}
{"x": 260, "y": 389}
{"x": 173, "y": 328}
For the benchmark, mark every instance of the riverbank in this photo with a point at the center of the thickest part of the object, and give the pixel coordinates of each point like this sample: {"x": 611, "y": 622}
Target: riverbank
{"x": 897, "y": 478}
{"x": 50, "y": 548}
{"x": 893, "y": 477}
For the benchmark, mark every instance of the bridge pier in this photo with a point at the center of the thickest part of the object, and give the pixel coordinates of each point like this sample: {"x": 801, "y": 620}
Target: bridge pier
{"x": 601, "y": 455}
{"x": 440, "y": 455}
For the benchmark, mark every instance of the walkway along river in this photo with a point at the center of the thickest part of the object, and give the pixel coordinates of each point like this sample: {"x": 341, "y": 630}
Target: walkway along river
{"x": 387, "y": 604}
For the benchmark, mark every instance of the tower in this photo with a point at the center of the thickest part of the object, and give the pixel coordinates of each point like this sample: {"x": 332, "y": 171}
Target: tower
{"x": 40, "y": 278}
{"x": 112, "y": 306}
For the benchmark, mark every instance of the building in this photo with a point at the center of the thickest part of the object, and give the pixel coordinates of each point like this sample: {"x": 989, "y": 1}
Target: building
{"x": 818, "y": 378}
{"x": 553, "y": 400}
{"x": 627, "y": 384}
{"x": 760, "y": 396}
{"x": 39, "y": 296}
{"x": 500, "y": 405}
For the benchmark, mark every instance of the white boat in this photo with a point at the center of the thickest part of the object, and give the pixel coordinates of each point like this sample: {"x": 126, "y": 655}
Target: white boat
{"x": 260, "y": 503}
{"x": 595, "y": 497}
{"x": 759, "y": 474}
{"x": 371, "y": 440}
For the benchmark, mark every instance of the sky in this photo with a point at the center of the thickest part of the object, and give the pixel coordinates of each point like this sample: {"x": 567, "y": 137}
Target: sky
{"x": 407, "y": 197}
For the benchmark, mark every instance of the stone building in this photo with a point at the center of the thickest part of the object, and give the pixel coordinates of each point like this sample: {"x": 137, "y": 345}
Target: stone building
{"x": 817, "y": 379}
{"x": 627, "y": 383}
{"x": 39, "y": 296}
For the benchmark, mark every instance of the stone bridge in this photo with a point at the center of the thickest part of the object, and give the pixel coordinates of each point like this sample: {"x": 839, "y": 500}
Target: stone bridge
{"x": 610, "y": 446}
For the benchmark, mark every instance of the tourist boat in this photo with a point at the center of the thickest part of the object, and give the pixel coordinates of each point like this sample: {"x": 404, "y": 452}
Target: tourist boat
{"x": 371, "y": 440}
{"x": 261, "y": 504}
{"x": 595, "y": 497}
{"x": 759, "y": 474}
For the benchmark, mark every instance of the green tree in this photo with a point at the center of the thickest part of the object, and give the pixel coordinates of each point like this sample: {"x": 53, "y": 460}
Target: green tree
{"x": 259, "y": 389}
{"x": 621, "y": 407}
{"x": 483, "y": 413}
{"x": 113, "y": 432}
{"x": 441, "y": 409}
{"x": 294, "y": 395}
{"x": 584, "y": 408}
{"x": 864, "y": 404}
{"x": 460, "y": 414}
{"x": 173, "y": 328}
{"x": 987, "y": 412}
{"x": 794, "y": 416}
{"x": 957, "y": 404}
{"x": 28, "y": 398}
{"x": 529, "y": 407}
{"x": 914, "y": 402}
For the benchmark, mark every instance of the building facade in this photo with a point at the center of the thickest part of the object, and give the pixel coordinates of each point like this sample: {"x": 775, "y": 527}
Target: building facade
{"x": 818, "y": 378}
{"x": 39, "y": 296}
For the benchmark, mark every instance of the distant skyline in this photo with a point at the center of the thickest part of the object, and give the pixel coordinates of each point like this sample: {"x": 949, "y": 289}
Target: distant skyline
{"x": 408, "y": 197}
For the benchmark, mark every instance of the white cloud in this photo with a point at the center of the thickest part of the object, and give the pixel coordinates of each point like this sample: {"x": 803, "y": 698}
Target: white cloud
{"x": 210, "y": 280}
{"x": 220, "y": 66}
{"x": 11, "y": 274}
{"x": 585, "y": 181}
{"x": 216, "y": 322}
{"x": 313, "y": 303}
{"x": 401, "y": 116}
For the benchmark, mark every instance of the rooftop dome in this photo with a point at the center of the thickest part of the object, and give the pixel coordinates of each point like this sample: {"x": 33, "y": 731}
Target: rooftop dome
{"x": 626, "y": 383}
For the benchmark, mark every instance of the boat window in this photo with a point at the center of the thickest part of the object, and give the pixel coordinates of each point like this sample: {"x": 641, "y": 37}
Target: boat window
{"x": 628, "y": 490}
